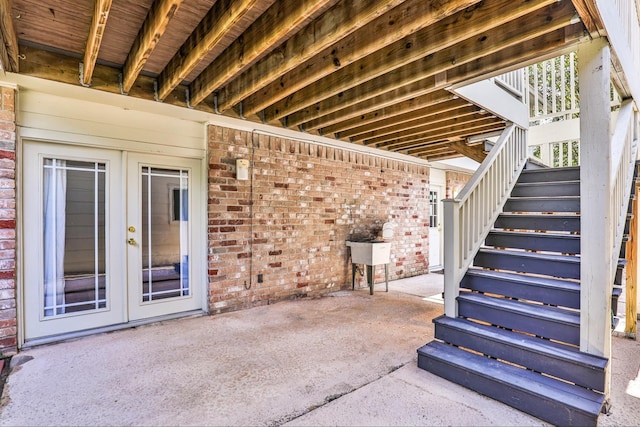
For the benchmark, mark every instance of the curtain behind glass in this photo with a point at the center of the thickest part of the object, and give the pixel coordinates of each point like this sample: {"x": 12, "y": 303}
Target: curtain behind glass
{"x": 55, "y": 189}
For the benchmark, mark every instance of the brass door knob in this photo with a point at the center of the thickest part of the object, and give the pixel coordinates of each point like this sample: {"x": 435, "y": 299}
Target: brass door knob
{"x": 132, "y": 242}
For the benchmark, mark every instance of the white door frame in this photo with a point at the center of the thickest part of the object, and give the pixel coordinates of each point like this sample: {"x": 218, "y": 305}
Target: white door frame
{"x": 439, "y": 265}
{"x": 119, "y": 312}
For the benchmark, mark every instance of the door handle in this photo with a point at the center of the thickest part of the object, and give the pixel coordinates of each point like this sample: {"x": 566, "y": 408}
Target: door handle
{"x": 132, "y": 242}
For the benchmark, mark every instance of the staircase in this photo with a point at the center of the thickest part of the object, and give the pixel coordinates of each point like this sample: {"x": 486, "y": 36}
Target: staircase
{"x": 517, "y": 335}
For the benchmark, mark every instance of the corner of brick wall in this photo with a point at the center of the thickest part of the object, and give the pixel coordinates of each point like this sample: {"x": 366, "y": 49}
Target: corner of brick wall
{"x": 455, "y": 182}
{"x": 307, "y": 201}
{"x": 8, "y": 334}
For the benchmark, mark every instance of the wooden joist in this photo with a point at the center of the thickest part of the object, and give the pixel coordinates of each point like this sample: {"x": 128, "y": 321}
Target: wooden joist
{"x": 449, "y": 124}
{"x": 220, "y": 19}
{"x": 152, "y": 29}
{"x": 522, "y": 54}
{"x": 278, "y": 23}
{"x": 590, "y": 17}
{"x": 94, "y": 40}
{"x": 534, "y": 25}
{"x": 8, "y": 39}
{"x": 451, "y": 133}
{"x": 429, "y": 40}
{"x": 474, "y": 152}
{"x": 366, "y": 122}
{"x": 429, "y": 118}
{"x": 343, "y": 61}
{"x": 333, "y": 25}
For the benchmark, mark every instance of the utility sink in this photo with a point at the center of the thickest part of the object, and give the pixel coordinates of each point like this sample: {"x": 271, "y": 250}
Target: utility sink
{"x": 370, "y": 253}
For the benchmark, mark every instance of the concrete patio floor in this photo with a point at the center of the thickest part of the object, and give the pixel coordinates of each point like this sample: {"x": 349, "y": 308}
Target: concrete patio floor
{"x": 346, "y": 359}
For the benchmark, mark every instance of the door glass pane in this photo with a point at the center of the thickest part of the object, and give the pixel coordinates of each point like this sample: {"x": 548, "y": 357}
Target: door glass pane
{"x": 165, "y": 238}
{"x": 433, "y": 208}
{"x": 74, "y": 237}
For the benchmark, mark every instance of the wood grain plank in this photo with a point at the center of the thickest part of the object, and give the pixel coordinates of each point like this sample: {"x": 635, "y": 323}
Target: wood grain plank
{"x": 460, "y": 129}
{"x": 219, "y": 21}
{"x": 277, "y": 24}
{"x": 391, "y": 28}
{"x": 507, "y": 35}
{"x": 456, "y": 120}
{"x": 336, "y": 23}
{"x": 94, "y": 40}
{"x": 517, "y": 56}
{"x": 8, "y": 39}
{"x": 154, "y": 26}
{"x": 370, "y": 119}
{"x": 475, "y": 152}
{"x": 451, "y": 30}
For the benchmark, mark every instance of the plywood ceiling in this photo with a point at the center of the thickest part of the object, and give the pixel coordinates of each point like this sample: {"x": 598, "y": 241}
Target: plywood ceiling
{"x": 371, "y": 72}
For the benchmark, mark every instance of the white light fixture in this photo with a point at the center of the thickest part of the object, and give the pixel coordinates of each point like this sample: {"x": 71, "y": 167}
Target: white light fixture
{"x": 242, "y": 169}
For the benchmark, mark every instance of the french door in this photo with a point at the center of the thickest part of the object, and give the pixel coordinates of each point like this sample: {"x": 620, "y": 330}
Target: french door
{"x": 107, "y": 238}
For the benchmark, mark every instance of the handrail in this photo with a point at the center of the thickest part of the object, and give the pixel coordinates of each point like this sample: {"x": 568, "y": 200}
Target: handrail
{"x": 512, "y": 82}
{"x": 469, "y": 217}
{"x": 623, "y": 157}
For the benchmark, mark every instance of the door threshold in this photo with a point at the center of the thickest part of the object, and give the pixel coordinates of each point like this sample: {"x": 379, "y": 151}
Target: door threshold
{"x": 111, "y": 328}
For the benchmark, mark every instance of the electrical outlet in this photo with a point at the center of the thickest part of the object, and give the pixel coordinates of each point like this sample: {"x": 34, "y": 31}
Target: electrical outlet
{"x": 260, "y": 278}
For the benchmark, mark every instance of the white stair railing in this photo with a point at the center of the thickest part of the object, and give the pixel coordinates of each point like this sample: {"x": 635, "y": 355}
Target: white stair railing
{"x": 623, "y": 158}
{"x": 469, "y": 217}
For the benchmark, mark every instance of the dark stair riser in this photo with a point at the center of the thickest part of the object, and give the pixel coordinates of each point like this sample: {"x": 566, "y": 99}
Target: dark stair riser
{"x": 528, "y": 262}
{"x": 550, "y": 175}
{"x": 532, "y": 353}
{"x": 567, "y": 223}
{"x": 542, "y": 321}
{"x": 546, "y": 189}
{"x": 545, "y": 398}
{"x": 569, "y": 244}
{"x": 542, "y": 204}
{"x": 548, "y": 291}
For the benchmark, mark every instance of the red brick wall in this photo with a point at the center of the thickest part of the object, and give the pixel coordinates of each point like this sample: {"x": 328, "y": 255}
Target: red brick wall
{"x": 8, "y": 338}
{"x": 307, "y": 200}
{"x": 455, "y": 182}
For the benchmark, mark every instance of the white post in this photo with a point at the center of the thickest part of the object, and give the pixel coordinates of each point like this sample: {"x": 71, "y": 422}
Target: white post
{"x": 451, "y": 257}
{"x": 597, "y": 224}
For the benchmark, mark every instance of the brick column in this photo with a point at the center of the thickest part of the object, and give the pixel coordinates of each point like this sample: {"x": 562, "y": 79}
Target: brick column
{"x": 8, "y": 335}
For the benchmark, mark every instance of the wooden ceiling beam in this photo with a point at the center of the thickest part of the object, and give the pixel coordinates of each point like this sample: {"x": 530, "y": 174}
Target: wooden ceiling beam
{"x": 468, "y": 23}
{"x": 148, "y": 37}
{"x": 590, "y": 16}
{"x": 416, "y": 144}
{"x": 443, "y": 156}
{"x": 454, "y": 130}
{"x": 389, "y": 29}
{"x": 8, "y": 39}
{"x": 336, "y": 23}
{"x": 475, "y": 152}
{"x": 505, "y": 36}
{"x": 398, "y": 109}
{"x": 94, "y": 40}
{"x": 274, "y": 26}
{"x": 427, "y": 118}
{"x": 519, "y": 55}
{"x": 220, "y": 19}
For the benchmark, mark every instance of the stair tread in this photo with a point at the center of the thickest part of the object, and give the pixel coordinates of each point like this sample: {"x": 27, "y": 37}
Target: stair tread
{"x": 544, "y": 197}
{"x": 543, "y": 183}
{"x": 533, "y": 344}
{"x": 555, "y": 314}
{"x": 529, "y": 233}
{"x": 576, "y": 397}
{"x": 526, "y": 279}
{"x": 532, "y": 255}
